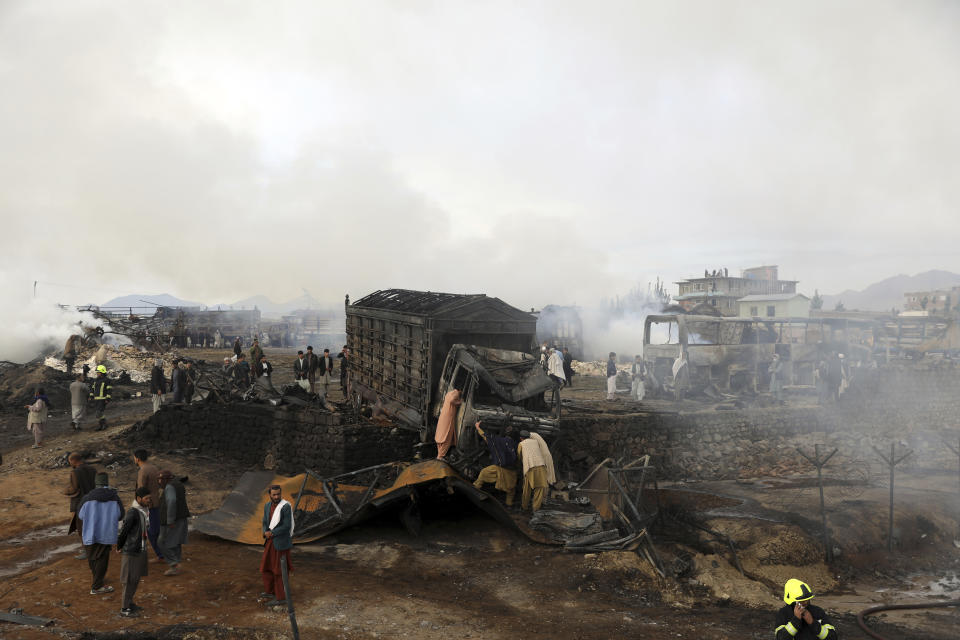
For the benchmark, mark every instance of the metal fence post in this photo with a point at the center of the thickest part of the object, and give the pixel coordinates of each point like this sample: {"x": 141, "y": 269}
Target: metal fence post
{"x": 891, "y": 462}
{"x": 819, "y": 464}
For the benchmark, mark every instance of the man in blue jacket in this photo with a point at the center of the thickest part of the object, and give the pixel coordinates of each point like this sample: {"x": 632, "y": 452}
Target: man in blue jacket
{"x": 277, "y": 528}
{"x": 100, "y": 511}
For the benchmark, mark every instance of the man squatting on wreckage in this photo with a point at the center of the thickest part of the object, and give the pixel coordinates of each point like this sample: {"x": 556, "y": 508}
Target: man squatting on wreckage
{"x": 501, "y": 472}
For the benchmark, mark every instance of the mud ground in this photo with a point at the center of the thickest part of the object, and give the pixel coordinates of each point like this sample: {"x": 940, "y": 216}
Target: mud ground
{"x": 466, "y": 577}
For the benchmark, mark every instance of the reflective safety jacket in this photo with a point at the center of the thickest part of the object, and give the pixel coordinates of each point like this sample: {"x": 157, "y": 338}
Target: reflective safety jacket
{"x": 789, "y": 627}
{"x": 101, "y": 388}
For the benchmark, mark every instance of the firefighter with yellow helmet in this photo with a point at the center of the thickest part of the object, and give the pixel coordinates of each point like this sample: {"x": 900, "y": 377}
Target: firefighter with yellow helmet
{"x": 799, "y": 619}
{"x": 100, "y": 394}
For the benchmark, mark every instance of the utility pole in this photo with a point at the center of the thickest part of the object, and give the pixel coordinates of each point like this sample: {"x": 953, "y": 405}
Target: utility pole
{"x": 285, "y": 575}
{"x": 819, "y": 464}
{"x": 891, "y": 462}
{"x": 34, "y": 288}
{"x": 956, "y": 452}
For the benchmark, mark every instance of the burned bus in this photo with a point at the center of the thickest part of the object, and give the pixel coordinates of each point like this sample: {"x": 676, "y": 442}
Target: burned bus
{"x": 732, "y": 354}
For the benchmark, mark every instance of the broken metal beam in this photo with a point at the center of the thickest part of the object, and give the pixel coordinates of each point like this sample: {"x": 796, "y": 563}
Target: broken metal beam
{"x": 19, "y": 618}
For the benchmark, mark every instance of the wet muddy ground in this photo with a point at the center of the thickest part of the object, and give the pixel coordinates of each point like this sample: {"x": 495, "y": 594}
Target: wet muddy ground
{"x": 465, "y": 576}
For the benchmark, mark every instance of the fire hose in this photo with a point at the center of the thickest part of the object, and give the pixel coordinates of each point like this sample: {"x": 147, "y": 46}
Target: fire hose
{"x": 888, "y": 607}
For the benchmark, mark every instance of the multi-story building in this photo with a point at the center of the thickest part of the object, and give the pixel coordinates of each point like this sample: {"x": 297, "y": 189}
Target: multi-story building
{"x": 932, "y": 303}
{"x": 721, "y": 291}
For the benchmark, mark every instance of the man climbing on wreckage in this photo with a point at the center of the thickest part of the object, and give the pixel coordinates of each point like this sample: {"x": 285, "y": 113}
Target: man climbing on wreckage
{"x": 501, "y": 472}
{"x": 538, "y": 473}
{"x": 445, "y": 435}
{"x": 800, "y": 620}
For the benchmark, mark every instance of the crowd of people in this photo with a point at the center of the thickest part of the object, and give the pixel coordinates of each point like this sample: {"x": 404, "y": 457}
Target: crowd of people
{"x": 314, "y": 373}
{"x": 155, "y": 520}
{"x": 83, "y": 393}
{"x": 155, "y": 523}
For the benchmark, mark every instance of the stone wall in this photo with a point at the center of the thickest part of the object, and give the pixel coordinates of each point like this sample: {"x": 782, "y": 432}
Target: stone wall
{"x": 285, "y": 439}
{"x": 915, "y": 409}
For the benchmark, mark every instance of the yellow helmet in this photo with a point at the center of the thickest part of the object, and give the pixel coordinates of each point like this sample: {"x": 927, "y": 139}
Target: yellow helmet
{"x": 796, "y": 591}
{"x": 101, "y": 369}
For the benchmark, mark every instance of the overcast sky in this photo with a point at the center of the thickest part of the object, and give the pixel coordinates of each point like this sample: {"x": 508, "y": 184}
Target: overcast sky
{"x": 536, "y": 151}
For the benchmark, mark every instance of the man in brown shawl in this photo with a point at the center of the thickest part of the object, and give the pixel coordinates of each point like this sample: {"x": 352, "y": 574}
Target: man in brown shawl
{"x": 446, "y": 433}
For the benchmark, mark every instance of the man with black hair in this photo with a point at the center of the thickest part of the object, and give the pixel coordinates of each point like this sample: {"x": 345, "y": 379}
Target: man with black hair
{"x": 173, "y": 521}
{"x": 147, "y": 477}
{"x": 568, "y": 366}
{"x": 241, "y": 372}
{"x": 300, "y": 369}
{"x": 132, "y": 543}
{"x": 326, "y": 371}
{"x": 158, "y": 384}
{"x": 82, "y": 482}
{"x": 255, "y": 354}
{"x": 277, "y": 529}
{"x": 313, "y": 363}
{"x": 344, "y": 357}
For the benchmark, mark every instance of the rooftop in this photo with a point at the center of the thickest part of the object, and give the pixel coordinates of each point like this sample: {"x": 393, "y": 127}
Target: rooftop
{"x": 771, "y": 297}
{"x": 410, "y": 301}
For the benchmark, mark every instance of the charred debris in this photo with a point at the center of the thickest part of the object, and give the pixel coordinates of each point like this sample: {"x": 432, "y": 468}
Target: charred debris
{"x": 408, "y": 349}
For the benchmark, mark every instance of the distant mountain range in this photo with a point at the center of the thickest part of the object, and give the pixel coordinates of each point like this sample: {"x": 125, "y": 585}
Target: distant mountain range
{"x": 261, "y": 302}
{"x": 888, "y": 294}
{"x": 146, "y": 300}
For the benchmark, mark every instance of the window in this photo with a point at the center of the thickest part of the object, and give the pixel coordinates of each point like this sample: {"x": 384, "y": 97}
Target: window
{"x": 714, "y": 302}
{"x": 771, "y": 310}
{"x": 754, "y": 311}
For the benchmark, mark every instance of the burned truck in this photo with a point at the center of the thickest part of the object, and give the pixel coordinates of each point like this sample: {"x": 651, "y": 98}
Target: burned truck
{"x": 409, "y": 348}
{"x": 561, "y": 326}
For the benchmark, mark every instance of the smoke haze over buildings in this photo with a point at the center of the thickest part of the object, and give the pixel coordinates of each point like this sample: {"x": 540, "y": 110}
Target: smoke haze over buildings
{"x": 541, "y": 152}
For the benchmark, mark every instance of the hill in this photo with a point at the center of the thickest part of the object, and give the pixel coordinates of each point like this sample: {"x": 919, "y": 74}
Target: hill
{"x": 888, "y": 294}
{"x": 147, "y": 300}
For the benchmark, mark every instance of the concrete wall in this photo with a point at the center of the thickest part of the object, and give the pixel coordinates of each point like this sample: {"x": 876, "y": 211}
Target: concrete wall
{"x": 281, "y": 438}
{"x": 796, "y": 307}
{"x": 914, "y": 409}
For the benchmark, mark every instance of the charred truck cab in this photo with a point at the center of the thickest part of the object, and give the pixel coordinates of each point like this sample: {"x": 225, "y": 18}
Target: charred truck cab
{"x": 498, "y": 387}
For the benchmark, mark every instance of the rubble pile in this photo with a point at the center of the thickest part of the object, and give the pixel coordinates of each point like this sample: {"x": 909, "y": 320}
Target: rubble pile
{"x": 596, "y": 368}
{"x": 18, "y": 383}
{"x": 135, "y": 362}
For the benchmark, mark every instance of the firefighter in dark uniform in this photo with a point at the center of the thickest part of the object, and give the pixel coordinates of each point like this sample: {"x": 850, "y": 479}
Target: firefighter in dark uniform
{"x": 100, "y": 394}
{"x": 801, "y": 620}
